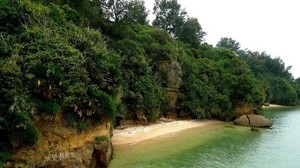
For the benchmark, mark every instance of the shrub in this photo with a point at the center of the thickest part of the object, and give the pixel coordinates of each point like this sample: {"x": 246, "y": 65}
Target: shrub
{"x": 22, "y": 129}
{"x": 50, "y": 107}
{"x": 101, "y": 99}
{"x": 82, "y": 125}
{"x": 4, "y": 155}
{"x": 69, "y": 117}
{"x": 101, "y": 138}
{"x": 28, "y": 136}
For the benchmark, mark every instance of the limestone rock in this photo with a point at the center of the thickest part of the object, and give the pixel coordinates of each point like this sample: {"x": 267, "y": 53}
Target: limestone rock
{"x": 62, "y": 146}
{"x": 102, "y": 154}
{"x": 253, "y": 121}
{"x": 243, "y": 109}
{"x": 174, "y": 75}
{"x": 141, "y": 117}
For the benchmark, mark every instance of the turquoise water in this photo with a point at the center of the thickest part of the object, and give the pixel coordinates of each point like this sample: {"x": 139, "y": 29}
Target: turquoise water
{"x": 220, "y": 146}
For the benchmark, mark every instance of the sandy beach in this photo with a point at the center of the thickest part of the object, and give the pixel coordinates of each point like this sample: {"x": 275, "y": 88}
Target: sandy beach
{"x": 137, "y": 134}
{"x": 273, "y": 106}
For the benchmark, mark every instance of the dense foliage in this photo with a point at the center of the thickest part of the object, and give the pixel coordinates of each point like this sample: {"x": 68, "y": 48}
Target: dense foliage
{"x": 171, "y": 17}
{"x": 50, "y": 64}
{"x": 215, "y": 81}
{"x": 277, "y": 82}
{"x": 94, "y": 61}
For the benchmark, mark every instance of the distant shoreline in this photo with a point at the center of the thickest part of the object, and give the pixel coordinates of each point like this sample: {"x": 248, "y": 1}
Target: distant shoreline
{"x": 273, "y": 106}
{"x": 138, "y": 134}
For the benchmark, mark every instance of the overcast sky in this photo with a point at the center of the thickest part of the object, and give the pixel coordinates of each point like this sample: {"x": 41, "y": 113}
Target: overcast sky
{"x": 272, "y": 26}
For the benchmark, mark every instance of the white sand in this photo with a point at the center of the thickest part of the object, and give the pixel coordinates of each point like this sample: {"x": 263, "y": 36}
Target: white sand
{"x": 141, "y": 133}
{"x": 273, "y": 106}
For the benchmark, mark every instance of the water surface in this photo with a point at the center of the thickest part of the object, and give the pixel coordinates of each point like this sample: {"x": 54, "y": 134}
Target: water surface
{"x": 220, "y": 146}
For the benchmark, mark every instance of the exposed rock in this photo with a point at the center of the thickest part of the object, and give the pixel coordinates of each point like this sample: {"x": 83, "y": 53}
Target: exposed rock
{"x": 15, "y": 142}
{"x": 172, "y": 94}
{"x": 171, "y": 114}
{"x": 174, "y": 82}
{"x": 60, "y": 146}
{"x": 172, "y": 77}
{"x": 253, "y": 121}
{"x": 141, "y": 117}
{"x": 183, "y": 114}
{"x": 243, "y": 109}
{"x": 102, "y": 154}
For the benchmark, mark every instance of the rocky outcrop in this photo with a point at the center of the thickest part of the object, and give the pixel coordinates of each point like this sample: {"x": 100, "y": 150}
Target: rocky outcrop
{"x": 102, "y": 154}
{"x": 62, "y": 146}
{"x": 169, "y": 73}
{"x": 173, "y": 79}
{"x": 174, "y": 75}
{"x": 243, "y": 109}
{"x": 253, "y": 121}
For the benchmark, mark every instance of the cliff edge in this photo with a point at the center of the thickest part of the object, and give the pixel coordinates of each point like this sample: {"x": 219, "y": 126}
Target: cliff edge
{"x": 62, "y": 146}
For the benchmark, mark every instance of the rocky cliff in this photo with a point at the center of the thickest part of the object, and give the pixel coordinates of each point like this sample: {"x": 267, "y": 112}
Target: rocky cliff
{"x": 63, "y": 146}
{"x": 173, "y": 82}
{"x": 243, "y": 109}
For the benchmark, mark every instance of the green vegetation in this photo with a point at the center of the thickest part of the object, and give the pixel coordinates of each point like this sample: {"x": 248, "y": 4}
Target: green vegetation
{"x": 172, "y": 18}
{"x": 277, "y": 83}
{"x": 215, "y": 81}
{"x": 101, "y": 138}
{"x": 50, "y": 64}
{"x": 95, "y": 60}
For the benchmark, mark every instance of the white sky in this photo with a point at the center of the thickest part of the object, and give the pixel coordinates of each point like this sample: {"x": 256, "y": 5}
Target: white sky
{"x": 272, "y": 26}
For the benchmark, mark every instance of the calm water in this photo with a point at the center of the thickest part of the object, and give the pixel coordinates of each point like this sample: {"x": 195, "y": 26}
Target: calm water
{"x": 220, "y": 146}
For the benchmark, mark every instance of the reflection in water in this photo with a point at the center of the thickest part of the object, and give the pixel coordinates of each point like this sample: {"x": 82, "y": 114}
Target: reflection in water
{"x": 220, "y": 146}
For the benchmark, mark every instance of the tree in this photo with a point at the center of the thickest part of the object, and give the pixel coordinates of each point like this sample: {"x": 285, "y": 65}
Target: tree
{"x": 135, "y": 12}
{"x": 89, "y": 9}
{"x": 297, "y": 80}
{"x": 191, "y": 32}
{"x": 263, "y": 64}
{"x": 215, "y": 83}
{"x": 112, "y": 9}
{"x": 229, "y": 43}
{"x": 169, "y": 15}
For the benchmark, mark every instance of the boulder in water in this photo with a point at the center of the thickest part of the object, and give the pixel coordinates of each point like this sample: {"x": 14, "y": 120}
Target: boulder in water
{"x": 253, "y": 121}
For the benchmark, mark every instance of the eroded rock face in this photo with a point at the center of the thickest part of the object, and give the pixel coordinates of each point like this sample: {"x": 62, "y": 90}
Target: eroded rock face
{"x": 174, "y": 75}
{"x": 253, "y": 121}
{"x": 61, "y": 146}
{"x": 102, "y": 154}
{"x": 170, "y": 73}
{"x": 243, "y": 109}
{"x": 173, "y": 80}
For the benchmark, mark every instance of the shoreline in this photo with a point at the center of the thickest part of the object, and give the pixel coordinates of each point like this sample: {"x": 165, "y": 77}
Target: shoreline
{"x": 273, "y": 106}
{"x": 136, "y": 134}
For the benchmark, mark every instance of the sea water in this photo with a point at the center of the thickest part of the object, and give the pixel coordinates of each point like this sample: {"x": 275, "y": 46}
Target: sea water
{"x": 220, "y": 146}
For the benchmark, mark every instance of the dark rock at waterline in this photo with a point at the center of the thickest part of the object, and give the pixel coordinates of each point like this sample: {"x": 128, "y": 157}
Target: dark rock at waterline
{"x": 102, "y": 155}
{"x": 253, "y": 121}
